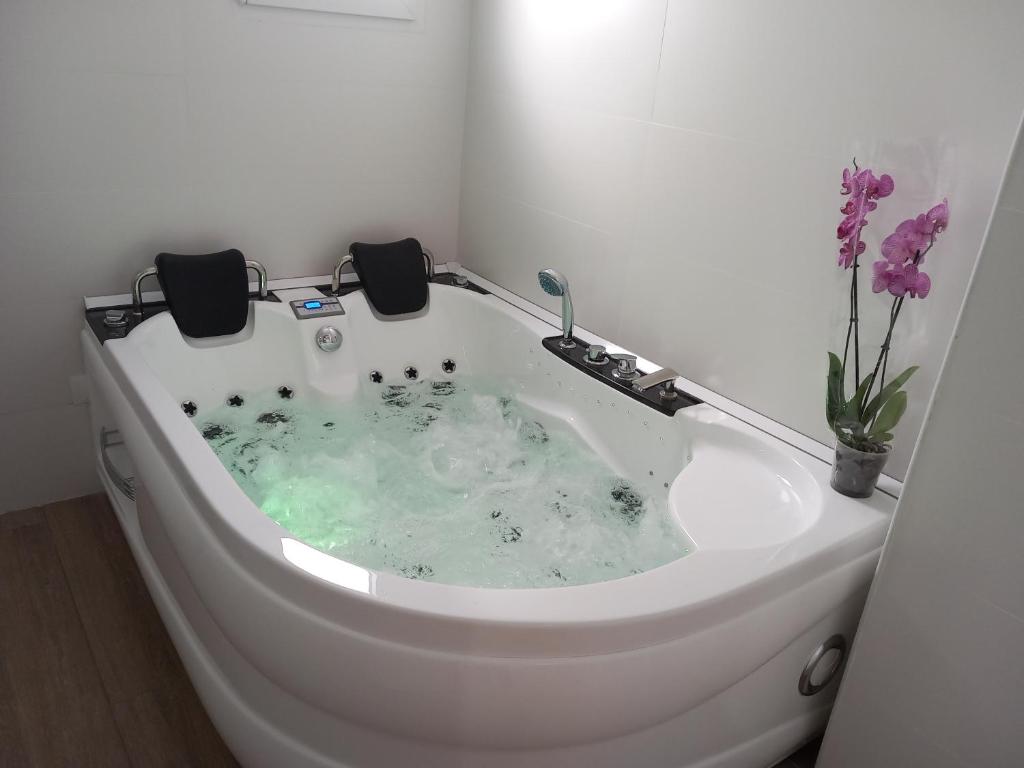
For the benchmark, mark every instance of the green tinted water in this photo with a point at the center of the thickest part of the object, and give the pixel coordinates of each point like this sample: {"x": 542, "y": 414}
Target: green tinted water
{"x": 450, "y": 482}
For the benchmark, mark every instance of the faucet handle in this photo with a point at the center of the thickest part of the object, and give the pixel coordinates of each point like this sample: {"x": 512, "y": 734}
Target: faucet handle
{"x": 459, "y": 279}
{"x": 597, "y": 354}
{"x": 625, "y": 366}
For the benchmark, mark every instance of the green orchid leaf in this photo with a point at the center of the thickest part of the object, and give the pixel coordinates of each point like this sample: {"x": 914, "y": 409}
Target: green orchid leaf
{"x": 888, "y": 391}
{"x": 889, "y": 416}
{"x": 834, "y": 394}
{"x": 852, "y": 409}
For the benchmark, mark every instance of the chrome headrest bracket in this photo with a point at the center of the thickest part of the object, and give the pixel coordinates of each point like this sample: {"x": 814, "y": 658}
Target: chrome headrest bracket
{"x": 257, "y": 267}
{"x": 336, "y": 275}
{"x": 137, "y": 289}
{"x": 261, "y": 277}
{"x": 428, "y": 260}
{"x": 428, "y": 255}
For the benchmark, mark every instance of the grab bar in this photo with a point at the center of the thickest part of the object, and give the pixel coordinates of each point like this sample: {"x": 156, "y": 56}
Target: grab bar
{"x": 261, "y": 277}
{"x": 110, "y": 438}
{"x": 428, "y": 257}
{"x": 336, "y": 275}
{"x": 137, "y": 289}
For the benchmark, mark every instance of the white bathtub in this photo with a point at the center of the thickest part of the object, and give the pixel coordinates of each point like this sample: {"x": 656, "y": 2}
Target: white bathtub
{"x": 304, "y": 660}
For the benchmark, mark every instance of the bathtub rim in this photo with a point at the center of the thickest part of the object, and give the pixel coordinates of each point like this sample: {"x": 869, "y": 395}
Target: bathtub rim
{"x": 887, "y": 484}
{"x": 753, "y": 574}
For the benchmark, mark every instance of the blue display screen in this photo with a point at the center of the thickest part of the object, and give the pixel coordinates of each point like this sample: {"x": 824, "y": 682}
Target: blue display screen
{"x": 313, "y": 305}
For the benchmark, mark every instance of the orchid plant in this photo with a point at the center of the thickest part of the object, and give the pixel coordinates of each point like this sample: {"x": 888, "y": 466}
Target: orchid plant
{"x": 866, "y": 421}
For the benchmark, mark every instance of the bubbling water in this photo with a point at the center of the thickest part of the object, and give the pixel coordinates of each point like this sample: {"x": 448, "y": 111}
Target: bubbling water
{"x": 454, "y": 482}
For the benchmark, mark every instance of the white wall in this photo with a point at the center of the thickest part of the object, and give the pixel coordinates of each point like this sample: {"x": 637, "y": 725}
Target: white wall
{"x": 680, "y": 161}
{"x": 128, "y": 127}
{"x": 935, "y": 678}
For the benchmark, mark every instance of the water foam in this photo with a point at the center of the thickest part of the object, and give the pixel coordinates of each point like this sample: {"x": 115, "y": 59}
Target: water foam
{"x": 454, "y": 482}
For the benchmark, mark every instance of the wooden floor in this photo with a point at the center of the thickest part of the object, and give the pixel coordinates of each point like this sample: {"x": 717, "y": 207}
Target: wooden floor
{"x": 88, "y": 675}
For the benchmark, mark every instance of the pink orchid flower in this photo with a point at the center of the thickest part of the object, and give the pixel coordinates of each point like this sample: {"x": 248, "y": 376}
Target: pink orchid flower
{"x": 900, "y": 280}
{"x": 904, "y": 251}
{"x": 939, "y": 217}
{"x": 863, "y": 188}
{"x": 903, "y": 244}
{"x": 908, "y": 280}
{"x": 881, "y": 187}
{"x": 881, "y": 276}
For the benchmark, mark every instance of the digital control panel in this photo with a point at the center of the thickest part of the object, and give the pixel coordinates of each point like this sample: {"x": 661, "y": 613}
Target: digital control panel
{"x": 325, "y": 307}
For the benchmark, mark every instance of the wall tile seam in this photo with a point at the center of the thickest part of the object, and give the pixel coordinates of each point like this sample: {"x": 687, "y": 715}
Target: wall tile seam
{"x": 34, "y": 70}
{"x": 661, "y": 57}
{"x": 537, "y": 208}
{"x": 1018, "y": 618}
{"x": 557, "y": 105}
{"x": 553, "y": 103}
{"x": 214, "y": 74}
{"x": 774, "y": 147}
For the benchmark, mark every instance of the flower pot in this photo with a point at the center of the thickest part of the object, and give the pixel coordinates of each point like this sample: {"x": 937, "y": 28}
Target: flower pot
{"x": 855, "y": 473}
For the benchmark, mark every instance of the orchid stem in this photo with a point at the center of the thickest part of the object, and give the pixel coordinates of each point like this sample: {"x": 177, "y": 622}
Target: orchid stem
{"x": 856, "y": 320}
{"x": 883, "y": 355}
{"x": 849, "y": 332}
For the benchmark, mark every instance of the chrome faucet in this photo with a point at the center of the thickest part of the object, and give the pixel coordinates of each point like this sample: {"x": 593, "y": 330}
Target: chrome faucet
{"x": 555, "y": 283}
{"x": 665, "y": 378}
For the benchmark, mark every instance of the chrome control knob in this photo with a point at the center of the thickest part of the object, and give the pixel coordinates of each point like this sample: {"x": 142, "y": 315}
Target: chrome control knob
{"x": 115, "y": 318}
{"x": 328, "y": 338}
{"x": 597, "y": 354}
{"x": 625, "y": 367}
{"x": 458, "y": 278}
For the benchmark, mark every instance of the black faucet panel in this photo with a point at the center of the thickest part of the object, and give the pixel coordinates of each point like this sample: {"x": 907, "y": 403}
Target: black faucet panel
{"x": 577, "y": 357}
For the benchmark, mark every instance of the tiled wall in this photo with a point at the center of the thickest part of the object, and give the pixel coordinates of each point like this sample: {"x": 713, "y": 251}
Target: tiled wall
{"x": 128, "y": 127}
{"x": 679, "y": 160}
{"x": 935, "y": 679}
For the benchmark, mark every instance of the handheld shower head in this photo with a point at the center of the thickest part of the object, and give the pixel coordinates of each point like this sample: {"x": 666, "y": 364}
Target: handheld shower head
{"x": 555, "y": 283}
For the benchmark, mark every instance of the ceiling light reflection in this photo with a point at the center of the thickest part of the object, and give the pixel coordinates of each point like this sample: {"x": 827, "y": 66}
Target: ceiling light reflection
{"x": 565, "y": 18}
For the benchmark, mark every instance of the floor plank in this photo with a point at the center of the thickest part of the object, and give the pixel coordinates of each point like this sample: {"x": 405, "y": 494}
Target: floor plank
{"x": 50, "y": 680}
{"x": 168, "y": 727}
{"x": 12, "y": 746}
{"x": 11, "y": 520}
{"x": 131, "y": 647}
{"x": 159, "y": 714}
